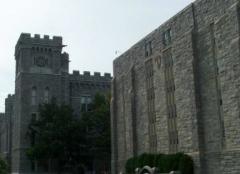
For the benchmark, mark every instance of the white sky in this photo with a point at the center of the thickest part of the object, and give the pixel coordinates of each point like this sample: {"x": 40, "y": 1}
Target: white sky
{"x": 92, "y": 29}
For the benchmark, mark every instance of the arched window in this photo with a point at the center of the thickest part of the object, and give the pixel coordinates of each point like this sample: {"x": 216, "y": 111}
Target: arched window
{"x": 46, "y": 95}
{"x": 34, "y": 96}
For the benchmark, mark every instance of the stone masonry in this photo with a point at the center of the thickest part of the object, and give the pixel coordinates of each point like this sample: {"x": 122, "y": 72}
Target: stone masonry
{"x": 178, "y": 90}
{"x": 42, "y": 73}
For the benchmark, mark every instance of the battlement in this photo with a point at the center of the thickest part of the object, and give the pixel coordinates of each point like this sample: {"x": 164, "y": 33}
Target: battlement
{"x": 87, "y": 74}
{"x": 39, "y": 43}
{"x": 9, "y": 98}
{"x": 37, "y": 38}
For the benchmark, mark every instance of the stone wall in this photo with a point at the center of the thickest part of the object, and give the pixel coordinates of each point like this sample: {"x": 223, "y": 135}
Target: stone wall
{"x": 205, "y": 52}
{"x": 85, "y": 84}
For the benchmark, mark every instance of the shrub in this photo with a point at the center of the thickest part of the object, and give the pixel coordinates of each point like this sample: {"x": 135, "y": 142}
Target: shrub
{"x": 165, "y": 163}
{"x": 186, "y": 165}
{"x": 3, "y": 167}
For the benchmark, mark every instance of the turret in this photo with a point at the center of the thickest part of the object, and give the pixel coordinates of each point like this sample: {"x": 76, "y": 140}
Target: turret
{"x": 41, "y": 55}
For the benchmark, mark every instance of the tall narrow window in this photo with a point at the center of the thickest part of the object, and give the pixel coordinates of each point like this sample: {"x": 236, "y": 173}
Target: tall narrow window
{"x": 218, "y": 86}
{"x": 89, "y": 104}
{"x": 46, "y": 95}
{"x": 151, "y": 105}
{"x": 148, "y": 48}
{"x": 170, "y": 100}
{"x": 34, "y": 96}
{"x": 167, "y": 37}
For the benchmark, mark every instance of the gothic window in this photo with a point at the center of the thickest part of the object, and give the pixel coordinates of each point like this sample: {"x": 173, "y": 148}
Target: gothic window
{"x": 46, "y": 95}
{"x": 167, "y": 37}
{"x": 170, "y": 100}
{"x": 218, "y": 84}
{"x": 34, "y": 96}
{"x": 148, "y": 48}
{"x": 86, "y": 103}
{"x": 151, "y": 104}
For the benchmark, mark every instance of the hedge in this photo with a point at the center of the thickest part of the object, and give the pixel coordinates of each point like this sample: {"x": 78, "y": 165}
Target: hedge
{"x": 165, "y": 163}
{"x": 3, "y": 166}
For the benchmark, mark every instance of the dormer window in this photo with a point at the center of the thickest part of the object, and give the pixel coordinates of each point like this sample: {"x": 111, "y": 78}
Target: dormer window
{"x": 167, "y": 37}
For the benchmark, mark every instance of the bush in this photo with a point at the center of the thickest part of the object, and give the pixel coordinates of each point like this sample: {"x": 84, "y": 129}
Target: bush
{"x": 3, "y": 167}
{"x": 186, "y": 165}
{"x": 165, "y": 163}
{"x": 130, "y": 165}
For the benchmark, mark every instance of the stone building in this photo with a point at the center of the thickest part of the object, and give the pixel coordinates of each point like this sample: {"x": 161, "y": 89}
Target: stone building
{"x": 5, "y": 129}
{"x": 42, "y": 72}
{"x": 178, "y": 90}
{"x": 3, "y": 136}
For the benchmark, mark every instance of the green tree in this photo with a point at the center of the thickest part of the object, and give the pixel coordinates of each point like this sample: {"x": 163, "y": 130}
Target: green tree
{"x": 59, "y": 136}
{"x": 96, "y": 125}
{"x": 56, "y": 136}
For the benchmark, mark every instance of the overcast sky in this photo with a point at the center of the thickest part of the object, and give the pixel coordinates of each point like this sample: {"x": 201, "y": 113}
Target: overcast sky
{"x": 92, "y": 29}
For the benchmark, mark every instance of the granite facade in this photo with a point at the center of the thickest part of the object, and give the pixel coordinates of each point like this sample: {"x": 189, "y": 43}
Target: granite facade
{"x": 203, "y": 43}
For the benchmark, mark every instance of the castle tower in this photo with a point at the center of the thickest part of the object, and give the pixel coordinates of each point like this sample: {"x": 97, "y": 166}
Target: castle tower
{"x": 41, "y": 73}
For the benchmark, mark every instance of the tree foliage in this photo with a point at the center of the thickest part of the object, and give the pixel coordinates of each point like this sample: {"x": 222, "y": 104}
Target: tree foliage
{"x": 3, "y": 167}
{"x": 165, "y": 163}
{"x": 97, "y": 126}
{"x": 60, "y": 136}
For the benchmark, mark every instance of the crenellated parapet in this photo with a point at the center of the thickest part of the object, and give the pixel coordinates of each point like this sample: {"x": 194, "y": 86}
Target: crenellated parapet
{"x": 9, "y": 102}
{"x": 39, "y": 43}
{"x": 88, "y": 84}
{"x": 26, "y": 37}
{"x": 76, "y": 75}
{"x": 10, "y": 98}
